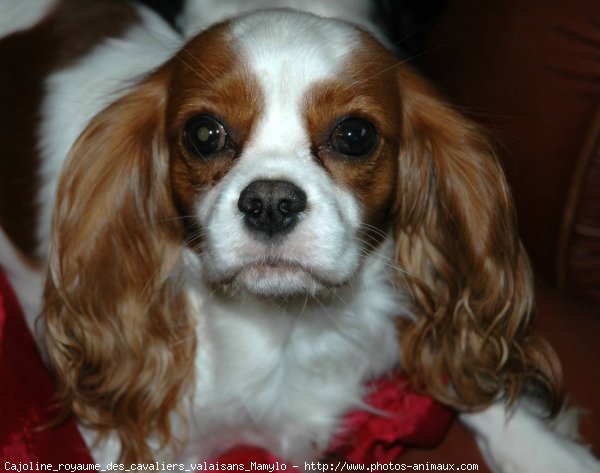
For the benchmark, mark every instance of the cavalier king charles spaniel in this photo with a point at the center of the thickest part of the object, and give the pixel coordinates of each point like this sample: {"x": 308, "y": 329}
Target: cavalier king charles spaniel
{"x": 228, "y": 232}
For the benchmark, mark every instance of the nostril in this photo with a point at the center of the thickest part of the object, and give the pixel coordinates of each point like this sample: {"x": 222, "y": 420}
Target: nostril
{"x": 285, "y": 206}
{"x": 255, "y": 206}
{"x": 271, "y": 206}
{"x": 294, "y": 201}
{"x": 250, "y": 202}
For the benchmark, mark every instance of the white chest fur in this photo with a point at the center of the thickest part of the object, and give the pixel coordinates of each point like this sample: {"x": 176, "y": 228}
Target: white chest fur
{"x": 283, "y": 377}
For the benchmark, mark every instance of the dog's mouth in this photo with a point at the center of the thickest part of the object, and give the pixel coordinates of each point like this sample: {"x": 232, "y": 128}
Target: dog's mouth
{"x": 277, "y": 278}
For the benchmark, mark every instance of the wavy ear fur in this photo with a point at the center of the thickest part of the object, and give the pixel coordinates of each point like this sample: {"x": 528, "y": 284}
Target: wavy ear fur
{"x": 457, "y": 240}
{"x": 119, "y": 339}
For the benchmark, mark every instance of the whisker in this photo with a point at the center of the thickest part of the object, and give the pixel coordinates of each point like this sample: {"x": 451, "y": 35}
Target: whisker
{"x": 184, "y": 340}
{"x": 195, "y": 71}
{"x": 327, "y": 312}
{"x": 395, "y": 45}
{"x": 194, "y": 236}
{"x": 304, "y": 306}
{"x": 161, "y": 220}
{"x": 402, "y": 62}
{"x": 375, "y": 230}
{"x": 199, "y": 63}
{"x": 402, "y": 274}
{"x": 415, "y": 31}
{"x": 149, "y": 282}
{"x": 176, "y": 45}
{"x": 156, "y": 35}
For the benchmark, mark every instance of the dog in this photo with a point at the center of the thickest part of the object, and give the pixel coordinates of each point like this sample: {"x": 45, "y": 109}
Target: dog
{"x": 228, "y": 232}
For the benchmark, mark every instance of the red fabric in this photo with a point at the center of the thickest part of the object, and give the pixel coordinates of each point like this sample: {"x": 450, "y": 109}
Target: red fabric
{"x": 244, "y": 455}
{"x": 27, "y": 396}
{"x": 404, "y": 418}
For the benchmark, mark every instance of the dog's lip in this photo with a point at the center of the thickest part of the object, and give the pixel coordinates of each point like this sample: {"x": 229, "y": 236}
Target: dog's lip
{"x": 273, "y": 266}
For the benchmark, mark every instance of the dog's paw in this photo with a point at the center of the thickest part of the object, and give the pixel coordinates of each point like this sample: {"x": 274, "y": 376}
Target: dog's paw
{"x": 522, "y": 442}
{"x": 548, "y": 453}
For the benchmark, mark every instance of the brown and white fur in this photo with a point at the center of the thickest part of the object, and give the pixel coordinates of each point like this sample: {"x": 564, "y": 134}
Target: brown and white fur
{"x": 179, "y": 321}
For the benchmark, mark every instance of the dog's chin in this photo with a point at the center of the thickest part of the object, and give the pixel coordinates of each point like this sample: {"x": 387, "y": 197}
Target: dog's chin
{"x": 276, "y": 281}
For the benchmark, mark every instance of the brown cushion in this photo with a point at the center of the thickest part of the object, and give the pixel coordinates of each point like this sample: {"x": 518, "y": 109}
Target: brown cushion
{"x": 579, "y": 258}
{"x": 530, "y": 71}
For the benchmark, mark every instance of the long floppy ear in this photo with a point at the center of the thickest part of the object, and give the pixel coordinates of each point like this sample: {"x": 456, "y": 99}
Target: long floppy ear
{"x": 118, "y": 335}
{"x": 457, "y": 240}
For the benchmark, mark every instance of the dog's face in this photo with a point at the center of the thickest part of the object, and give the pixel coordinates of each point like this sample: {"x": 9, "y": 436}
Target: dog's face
{"x": 284, "y": 142}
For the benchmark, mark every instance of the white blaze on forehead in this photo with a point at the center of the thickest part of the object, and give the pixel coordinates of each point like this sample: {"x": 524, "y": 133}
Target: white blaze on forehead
{"x": 289, "y": 52}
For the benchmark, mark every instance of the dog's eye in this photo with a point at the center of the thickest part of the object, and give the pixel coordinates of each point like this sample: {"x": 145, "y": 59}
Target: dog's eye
{"x": 354, "y": 137}
{"x": 204, "y": 135}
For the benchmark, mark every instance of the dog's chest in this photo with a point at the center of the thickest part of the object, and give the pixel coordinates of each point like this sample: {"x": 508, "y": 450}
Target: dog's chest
{"x": 269, "y": 378}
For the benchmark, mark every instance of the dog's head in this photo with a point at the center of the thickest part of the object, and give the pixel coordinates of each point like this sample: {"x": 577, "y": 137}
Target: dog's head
{"x": 274, "y": 154}
{"x": 283, "y": 139}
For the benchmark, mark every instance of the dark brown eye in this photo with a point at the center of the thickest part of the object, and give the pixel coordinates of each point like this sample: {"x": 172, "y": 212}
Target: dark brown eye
{"x": 354, "y": 137}
{"x": 204, "y": 135}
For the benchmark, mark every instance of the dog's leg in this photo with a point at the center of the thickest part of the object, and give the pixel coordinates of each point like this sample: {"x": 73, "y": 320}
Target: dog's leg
{"x": 517, "y": 440}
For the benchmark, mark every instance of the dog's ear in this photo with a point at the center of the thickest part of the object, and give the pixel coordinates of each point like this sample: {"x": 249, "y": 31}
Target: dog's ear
{"x": 118, "y": 336}
{"x": 457, "y": 240}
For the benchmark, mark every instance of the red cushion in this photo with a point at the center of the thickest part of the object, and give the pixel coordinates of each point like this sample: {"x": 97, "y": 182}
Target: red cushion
{"x": 28, "y": 397}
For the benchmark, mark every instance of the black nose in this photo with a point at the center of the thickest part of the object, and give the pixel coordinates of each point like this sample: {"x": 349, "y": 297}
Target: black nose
{"x": 271, "y": 207}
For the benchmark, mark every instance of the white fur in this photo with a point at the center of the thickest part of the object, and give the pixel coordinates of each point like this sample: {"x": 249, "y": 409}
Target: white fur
{"x": 76, "y": 94}
{"x": 281, "y": 375}
{"x": 197, "y": 15}
{"x": 275, "y": 372}
{"x": 20, "y": 15}
{"x": 324, "y": 242}
{"x": 520, "y": 441}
